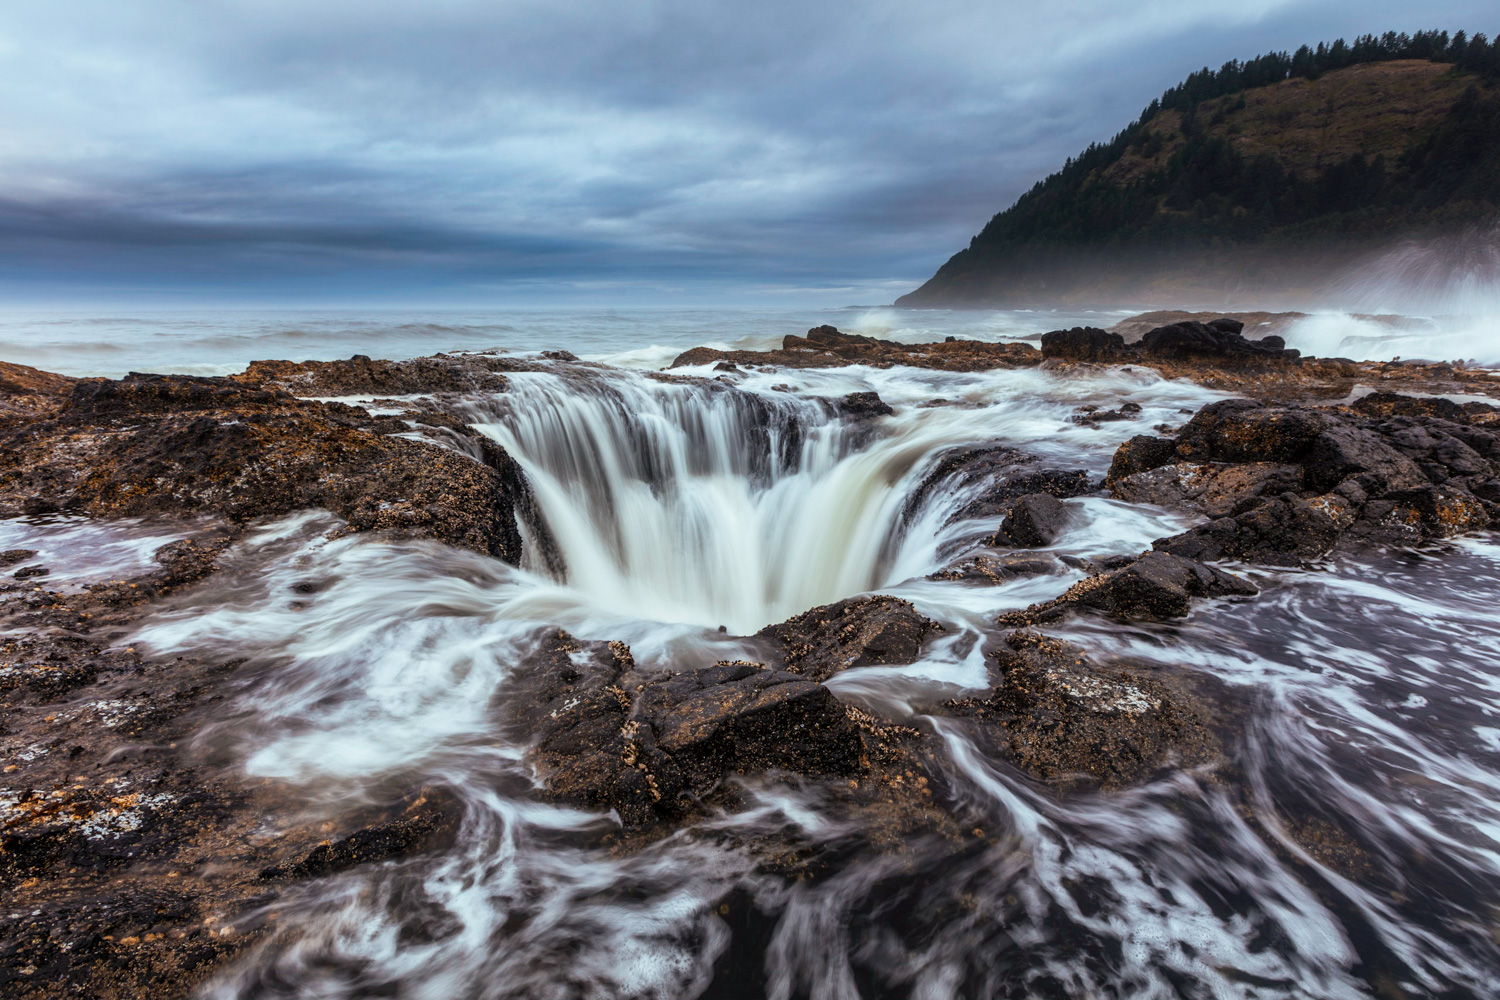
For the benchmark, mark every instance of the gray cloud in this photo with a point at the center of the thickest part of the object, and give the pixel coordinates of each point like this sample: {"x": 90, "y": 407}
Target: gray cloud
{"x": 243, "y": 148}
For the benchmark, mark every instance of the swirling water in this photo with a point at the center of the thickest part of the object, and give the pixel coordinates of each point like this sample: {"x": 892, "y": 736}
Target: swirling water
{"x": 1348, "y": 845}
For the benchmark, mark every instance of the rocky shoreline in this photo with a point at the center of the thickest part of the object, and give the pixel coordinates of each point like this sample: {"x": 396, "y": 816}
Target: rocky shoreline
{"x": 137, "y": 865}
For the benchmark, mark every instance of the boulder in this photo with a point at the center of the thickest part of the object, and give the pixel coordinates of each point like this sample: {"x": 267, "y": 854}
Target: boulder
{"x": 863, "y": 405}
{"x": 1219, "y": 339}
{"x": 857, "y": 632}
{"x": 1244, "y": 430}
{"x": 1140, "y": 454}
{"x": 1157, "y": 585}
{"x": 1035, "y": 520}
{"x": 1083, "y": 343}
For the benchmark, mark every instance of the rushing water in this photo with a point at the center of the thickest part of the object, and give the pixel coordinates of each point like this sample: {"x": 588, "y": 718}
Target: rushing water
{"x": 1348, "y": 847}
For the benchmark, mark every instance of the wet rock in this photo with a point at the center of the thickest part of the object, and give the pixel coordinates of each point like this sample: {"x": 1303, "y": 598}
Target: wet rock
{"x": 1157, "y": 585}
{"x": 1216, "y": 489}
{"x": 362, "y": 376}
{"x": 425, "y": 824}
{"x": 1283, "y": 532}
{"x": 174, "y": 445}
{"x": 1287, "y": 484}
{"x": 1035, "y": 520}
{"x": 828, "y": 347}
{"x": 1343, "y": 451}
{"x": 647, "y": 748}
{"x": 1083, "y": 343}
{"x": 1091, "y": 416}
{"x": 995, "y": 569}
{"x": 29, "y": 572}
{"x": 1219, "y": 339}
{"x": 1153, "y": 585}
{"x": 12, "y": 556}
{"x": 857, "y": 632}
{"x": 1060, "y": 717}
{"x": 1444, "y": 511}
{"x": 1245, "y": 430}
{"x": 1140, "y": 454}
{"x": 863, "y": 405}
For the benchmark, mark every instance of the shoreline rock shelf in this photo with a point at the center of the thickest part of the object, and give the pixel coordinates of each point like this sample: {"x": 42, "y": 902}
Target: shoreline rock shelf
{"x": 113, "y": 804}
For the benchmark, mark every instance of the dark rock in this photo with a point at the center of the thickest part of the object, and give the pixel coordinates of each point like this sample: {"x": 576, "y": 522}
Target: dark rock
{"x": 1216, "y": 489}
{"x": 426, "y": 824}
{"x": 1217, "y": 340}
{"x": 362, "y": 376}
{"x": 175, "y": 445}
{"x": 1140, "y": 454}
{"x": 12, "y": 556}
{"x": 1244, "y": 430}
{"x": 1444, "y": 511}
{"x": 606, "y": 738}
{"x": 559, "y": 355}
{"x": 29, "y": 572}
{"x": 1083, "y": 343}
{"x": 857, "y": 632}
{"x": 1061, "y": 717}
{"x": 1157, "y": 585}
{"x": 995, "y": 569}
{"x": 1343, "y": 450}
{"x": 1035, "y": 520}
{"x": 862, "y": 405}
{"x": 1282, "y": 532}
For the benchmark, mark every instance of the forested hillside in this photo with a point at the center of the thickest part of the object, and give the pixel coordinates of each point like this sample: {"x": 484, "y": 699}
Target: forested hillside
{"x": 1324, "y": 151}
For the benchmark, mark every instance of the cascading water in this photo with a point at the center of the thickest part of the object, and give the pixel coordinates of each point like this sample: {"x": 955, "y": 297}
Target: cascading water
{"x": 679, "y": 506}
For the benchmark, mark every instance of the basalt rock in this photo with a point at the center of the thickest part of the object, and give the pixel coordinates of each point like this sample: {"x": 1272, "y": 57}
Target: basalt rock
{"x": 1286, "y": 484}
{"x": 1214, "y": 488}
{"x": 1155, "y": 585}
{"x": 605, "y": 737}
{"x": 177, "y": 445}
{"x": 857, "y": 632}
{"x": 994, "y": 569}
{"x": 426, "y": 823}
{"x": 362, "y": 376}
{"x": 1061, "y": 717}
{"x": 827, "y": 347}
{"x": 1035, "y": 520}
{"x": 863, "y": 405}
{"x": 1083, "y": 343}
{"x": 1218, "y": 339}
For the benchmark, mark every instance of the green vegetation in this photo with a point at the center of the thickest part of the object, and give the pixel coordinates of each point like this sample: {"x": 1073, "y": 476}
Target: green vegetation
{"x": 1333, "y": 144}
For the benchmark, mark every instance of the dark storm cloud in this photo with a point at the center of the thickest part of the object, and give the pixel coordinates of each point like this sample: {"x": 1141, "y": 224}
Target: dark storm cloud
{"x": 482, "y": 148}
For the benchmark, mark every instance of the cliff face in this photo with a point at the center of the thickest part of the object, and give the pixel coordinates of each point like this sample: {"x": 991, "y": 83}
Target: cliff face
{"x": 1261, "y": 193}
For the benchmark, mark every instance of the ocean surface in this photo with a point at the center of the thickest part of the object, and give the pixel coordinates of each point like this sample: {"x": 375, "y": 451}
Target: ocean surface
{"x": 1347, "y": 846}
{"x": 223, "y": 341}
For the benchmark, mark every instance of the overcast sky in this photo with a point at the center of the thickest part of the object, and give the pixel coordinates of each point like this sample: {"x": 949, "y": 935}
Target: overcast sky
{"x": 611, "y": 151}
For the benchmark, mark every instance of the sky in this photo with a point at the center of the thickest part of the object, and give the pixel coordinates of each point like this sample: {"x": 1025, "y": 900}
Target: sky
{"x": 569, "y": 151}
